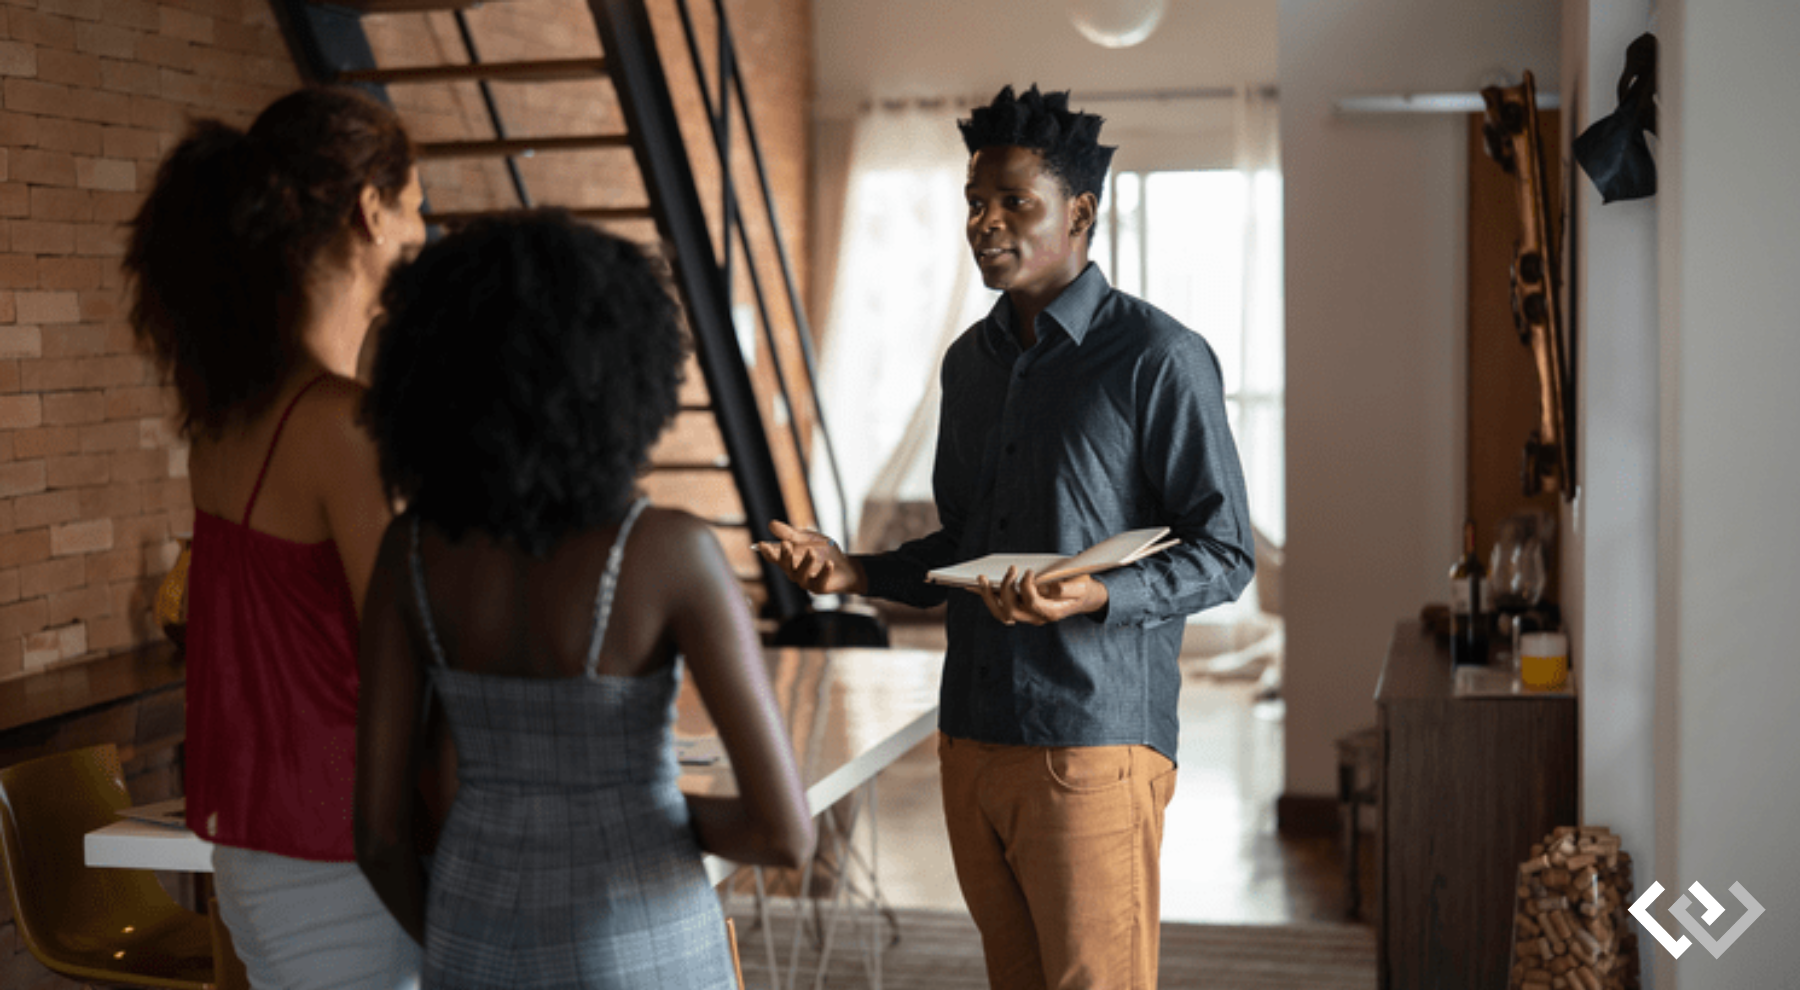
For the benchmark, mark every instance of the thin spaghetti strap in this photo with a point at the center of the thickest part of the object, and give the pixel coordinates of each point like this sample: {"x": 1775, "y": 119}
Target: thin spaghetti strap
{"x": 418, "y": 583}
{"x": 269, "y": 456}
{"x": 608, "y": 580}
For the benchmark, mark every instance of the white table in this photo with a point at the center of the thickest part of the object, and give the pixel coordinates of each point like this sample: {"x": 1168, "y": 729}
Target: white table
{"x": 850, "y": 713}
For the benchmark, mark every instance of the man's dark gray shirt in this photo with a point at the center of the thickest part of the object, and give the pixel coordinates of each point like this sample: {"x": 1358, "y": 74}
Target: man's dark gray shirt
{"x": 1115, "y": 420}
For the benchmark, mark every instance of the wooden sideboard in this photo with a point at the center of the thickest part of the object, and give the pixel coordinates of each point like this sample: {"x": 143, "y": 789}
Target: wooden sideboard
{"x": 1468, "y": 784}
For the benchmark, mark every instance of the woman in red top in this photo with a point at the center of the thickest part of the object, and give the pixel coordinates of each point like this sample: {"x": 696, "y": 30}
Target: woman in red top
{"x": 256, "y": 265}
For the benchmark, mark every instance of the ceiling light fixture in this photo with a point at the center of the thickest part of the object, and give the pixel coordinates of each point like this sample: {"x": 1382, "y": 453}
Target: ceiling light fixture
{"x": 1116, "y": 23}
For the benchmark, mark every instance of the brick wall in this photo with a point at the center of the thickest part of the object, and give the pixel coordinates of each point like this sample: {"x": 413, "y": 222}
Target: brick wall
{"x": 92, "y": 477}
{"x": 93, "y": 485}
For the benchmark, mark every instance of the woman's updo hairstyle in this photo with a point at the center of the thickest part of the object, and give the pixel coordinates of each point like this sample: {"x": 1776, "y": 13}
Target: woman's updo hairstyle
{"x": 221, "y": 250}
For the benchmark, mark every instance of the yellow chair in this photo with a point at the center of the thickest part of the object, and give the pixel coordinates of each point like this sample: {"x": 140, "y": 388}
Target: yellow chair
{"x": 114, "y": 926}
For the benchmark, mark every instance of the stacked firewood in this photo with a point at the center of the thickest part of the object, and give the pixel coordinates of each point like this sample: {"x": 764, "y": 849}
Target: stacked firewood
{"x": 1571, "y": 930}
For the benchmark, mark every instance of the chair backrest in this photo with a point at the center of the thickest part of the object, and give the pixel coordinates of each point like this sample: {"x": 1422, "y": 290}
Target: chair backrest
{"x": 47, "y": 807}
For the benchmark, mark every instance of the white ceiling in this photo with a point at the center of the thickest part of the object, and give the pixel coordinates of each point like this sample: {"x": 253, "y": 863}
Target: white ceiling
{"x": 882, "y": 49}
{"x": 967, "y": 49}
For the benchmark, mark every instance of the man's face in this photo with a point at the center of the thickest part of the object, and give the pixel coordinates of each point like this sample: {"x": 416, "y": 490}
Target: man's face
{"x": 1022, "y": 226}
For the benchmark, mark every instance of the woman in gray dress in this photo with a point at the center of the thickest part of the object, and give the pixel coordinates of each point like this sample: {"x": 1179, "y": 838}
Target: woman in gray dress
{"x": 527, "y": 366}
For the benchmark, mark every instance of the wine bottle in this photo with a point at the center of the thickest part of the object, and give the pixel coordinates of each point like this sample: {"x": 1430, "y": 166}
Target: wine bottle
{"x": 1468, "y": 622}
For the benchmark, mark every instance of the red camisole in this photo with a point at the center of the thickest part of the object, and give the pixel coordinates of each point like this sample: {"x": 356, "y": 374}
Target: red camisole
{"x": 271, "y": 687}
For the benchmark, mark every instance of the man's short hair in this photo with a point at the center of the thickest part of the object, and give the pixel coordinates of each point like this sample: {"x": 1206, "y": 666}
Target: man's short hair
{"x": 1069, "y": 141}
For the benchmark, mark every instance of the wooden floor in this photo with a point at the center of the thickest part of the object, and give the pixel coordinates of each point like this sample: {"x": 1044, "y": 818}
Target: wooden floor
{"x": 1223, "y": 861}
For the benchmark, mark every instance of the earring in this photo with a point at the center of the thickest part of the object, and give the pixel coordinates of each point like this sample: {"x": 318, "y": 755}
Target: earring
{"x": 380, "y": 240}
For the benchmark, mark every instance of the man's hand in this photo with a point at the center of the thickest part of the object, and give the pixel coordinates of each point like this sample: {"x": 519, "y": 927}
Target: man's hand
{"x": 812, "y": 561}
{"x": 1020, "y": 598}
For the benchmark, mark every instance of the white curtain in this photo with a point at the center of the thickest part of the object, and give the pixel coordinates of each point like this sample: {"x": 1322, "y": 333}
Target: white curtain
{"x": 904, "y": 287}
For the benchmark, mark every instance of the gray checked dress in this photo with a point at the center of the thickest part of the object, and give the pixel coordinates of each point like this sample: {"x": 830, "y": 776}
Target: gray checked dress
{"x": 568, "y": 859}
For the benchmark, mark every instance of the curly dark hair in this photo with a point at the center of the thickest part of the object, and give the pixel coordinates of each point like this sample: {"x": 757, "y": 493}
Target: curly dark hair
{"x": 223, "y": 245}
{"x": 1069, "y": 141}
{"x": 527, "y": 364}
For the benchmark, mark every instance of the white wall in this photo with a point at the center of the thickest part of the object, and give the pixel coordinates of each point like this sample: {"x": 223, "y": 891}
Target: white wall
{"x": 1610, "y": 530}
{"x": 1728, "y": 773}
{"x": 1376, "y": 211}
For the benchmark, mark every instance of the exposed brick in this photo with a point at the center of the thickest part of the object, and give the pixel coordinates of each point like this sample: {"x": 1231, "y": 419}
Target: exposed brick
{"x": 114, "y": 501}
{"x": 71, "y": 640}
{"x": 51, "y": 203}
{"x": 135, "y": 78}
{"x": 157, "y": 114}
{"x": 43, "y": 30}
{"x": 18, "y": 59}
{"x": 100, "y": 105}
{"x": 23, "y": 618}
{"x": 113, "y": 633}
{"x": 140, "y": 531}
{"x": 86, "y": 10}
{"x": 48, "y": 508}
{"x": 9, "y": 308}
{"x": 187, "y": 25}
{"x": 20, "y": 412}
{"x": 35, "y": 96}
{"x": 87, "y": 406}
{"x": 47, "y": 442}
{"x": 75, "y": 341}
{"x": 55, "y": 574}
{"x": 139, "y": 465}
{"x": 79, "y": 604}
{"x": 74, "y": 136}
{"x": 90, "y": 536}
{"x": 104, "y": 240}
{"x": 56, "y": 274}
{"x": 18, "y": 271}
{"x": 18, "y": 130}
{"x": 112, "y": 174}
{"x": 40, "y": 167}
{"x": 107, "y": 40}
{"x": 21, "y": 477}
{"x": 18, "y": 342}
{"x": 141, "y": 15}
{"x": 168, "y": 495}
{"x": 103, "y": 437}
{"x": 185, "y": 87}
{"x": 131, "y": 142}
{"x": 155, "y": 433}
{"x": 48, "y": 307}
{"x": 9, "y": 380}
{"x": 28, "y": 546}
{"x": 15, "y": 197}
{"x": 178, "y": 462}
{"x": 166, "y": 51}
{"x": 76, "y": 471}
{"x": 41, "y": 648}
{"x": 117, "y": 564}
{"x": 136, "y": 402}
{"x": 100, "y": 305}
{"x": 69, "y": 68}
{"x": 9, "y": 593}
{"x": 44, "y": 237}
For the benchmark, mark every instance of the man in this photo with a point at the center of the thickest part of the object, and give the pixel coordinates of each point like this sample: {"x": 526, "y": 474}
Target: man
{"x": 1071, "y": 413}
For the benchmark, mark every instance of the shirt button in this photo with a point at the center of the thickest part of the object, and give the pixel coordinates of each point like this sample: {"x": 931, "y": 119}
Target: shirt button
{"x": 1012, "y": 448}
{"x": 1001, "y": 526}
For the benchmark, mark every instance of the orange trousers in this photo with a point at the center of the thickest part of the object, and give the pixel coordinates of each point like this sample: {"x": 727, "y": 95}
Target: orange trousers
{"x": 1056, "y": 850}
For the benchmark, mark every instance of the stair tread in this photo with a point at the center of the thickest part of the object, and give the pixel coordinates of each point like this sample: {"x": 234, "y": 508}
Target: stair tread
{"x": 538, "y": 70}
{"x": 454, "y": 217}
{"x": 519, "y": 146}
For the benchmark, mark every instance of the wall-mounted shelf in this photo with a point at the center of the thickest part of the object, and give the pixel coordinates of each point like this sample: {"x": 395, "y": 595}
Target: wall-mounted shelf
{"x": 1426, "y": 103}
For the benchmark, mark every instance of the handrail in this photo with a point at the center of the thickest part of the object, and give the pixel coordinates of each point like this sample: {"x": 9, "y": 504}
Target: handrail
{"x": 719, "y": 116}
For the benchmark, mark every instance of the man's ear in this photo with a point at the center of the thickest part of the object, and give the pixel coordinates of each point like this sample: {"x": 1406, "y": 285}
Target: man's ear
{"x": 1082, "y": 211}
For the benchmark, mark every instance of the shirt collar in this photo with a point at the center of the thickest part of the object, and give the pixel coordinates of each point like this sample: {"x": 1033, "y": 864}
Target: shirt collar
{"x": 1073, "y": 310}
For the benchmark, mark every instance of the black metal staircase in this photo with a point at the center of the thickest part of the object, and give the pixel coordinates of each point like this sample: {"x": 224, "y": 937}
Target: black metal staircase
{"x": 330, "y": 44}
